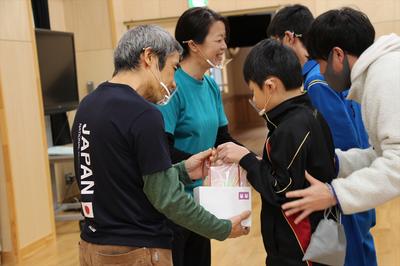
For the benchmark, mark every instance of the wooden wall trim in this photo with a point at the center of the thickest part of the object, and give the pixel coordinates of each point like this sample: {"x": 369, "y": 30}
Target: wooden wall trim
{"x": 132, "y": 23}
{"x": 112, "y": 23}
{"x": 8, "y": 258}
{"x": 8, "y": 177}
{"x": 42, "y": 122}
{"x": 16, "y": 252}
{"x": 30, "y": 249}
{"x": 269, "y": 9}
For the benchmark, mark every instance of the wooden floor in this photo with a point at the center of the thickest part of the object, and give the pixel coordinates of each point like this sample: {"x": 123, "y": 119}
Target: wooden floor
{"x": 248, "y": 250}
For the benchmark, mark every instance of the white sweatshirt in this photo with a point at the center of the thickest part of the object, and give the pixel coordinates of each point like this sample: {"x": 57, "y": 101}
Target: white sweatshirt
{"x": 372, "y": 176}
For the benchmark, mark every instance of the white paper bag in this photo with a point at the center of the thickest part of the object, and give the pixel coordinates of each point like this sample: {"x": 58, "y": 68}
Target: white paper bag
{"x": 225, "y": 202}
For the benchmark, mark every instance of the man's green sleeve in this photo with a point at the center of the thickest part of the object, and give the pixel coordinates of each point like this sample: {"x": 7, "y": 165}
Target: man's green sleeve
{"x": 165, "y": 191}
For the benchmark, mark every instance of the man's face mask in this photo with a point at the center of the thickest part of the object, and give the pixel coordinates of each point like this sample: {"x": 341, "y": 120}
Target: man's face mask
{"x": 167, "y": 92}
{"x": 338, "y": 81}
{"x": 167, "y": 96}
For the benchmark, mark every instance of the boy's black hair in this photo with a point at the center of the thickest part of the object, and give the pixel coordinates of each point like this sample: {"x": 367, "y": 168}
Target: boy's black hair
{"x": 294, "y": 18}
{"x": 346, "y": 28}
{"x": 194, "y": 24}
{"x": 271, "y": 58}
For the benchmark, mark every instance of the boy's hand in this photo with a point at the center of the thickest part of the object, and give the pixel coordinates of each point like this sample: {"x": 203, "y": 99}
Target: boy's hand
{"x": 237, "y": 229}
{"x": 231, "y": 153}
{"x": 197, "y": 165}
{"x": 213, "y": 157}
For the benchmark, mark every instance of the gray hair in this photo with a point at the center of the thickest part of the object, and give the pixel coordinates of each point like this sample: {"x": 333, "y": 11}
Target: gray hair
{"x": 133, "y": 42}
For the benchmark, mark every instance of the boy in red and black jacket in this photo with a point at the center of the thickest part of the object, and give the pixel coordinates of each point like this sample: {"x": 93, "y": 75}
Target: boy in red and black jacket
{"x": 299, "y": 140}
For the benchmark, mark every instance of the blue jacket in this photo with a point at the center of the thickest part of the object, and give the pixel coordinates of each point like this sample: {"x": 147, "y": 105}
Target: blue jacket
{"x": 348, "y": 131}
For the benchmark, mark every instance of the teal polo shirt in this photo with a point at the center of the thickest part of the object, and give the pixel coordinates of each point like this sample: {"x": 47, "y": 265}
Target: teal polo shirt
{"x": 194, "y": 114}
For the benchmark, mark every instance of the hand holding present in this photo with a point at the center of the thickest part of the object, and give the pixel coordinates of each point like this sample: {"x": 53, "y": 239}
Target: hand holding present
{"x": 198, "y": 165}
{"x": 231, "y": 153}
{"x": 237, "y": 228}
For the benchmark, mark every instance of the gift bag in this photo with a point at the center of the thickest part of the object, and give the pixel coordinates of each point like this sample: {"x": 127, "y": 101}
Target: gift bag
{"x": 225, "y": 192}
{"x": 226, "y": 175}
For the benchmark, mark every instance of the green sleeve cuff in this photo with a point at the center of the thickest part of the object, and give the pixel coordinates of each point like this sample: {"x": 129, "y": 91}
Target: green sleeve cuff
{"x": 183, "y": 174}
{"x": 225, "y": 235}
{"x": 166, "y": 193}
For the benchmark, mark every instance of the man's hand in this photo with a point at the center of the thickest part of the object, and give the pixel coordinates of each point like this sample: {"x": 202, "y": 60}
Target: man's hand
{"x": 314, "y": 198}
{"x": 197, "y": 165}
{"x": 231, "y": 153}
{"x": 237, "y": 229}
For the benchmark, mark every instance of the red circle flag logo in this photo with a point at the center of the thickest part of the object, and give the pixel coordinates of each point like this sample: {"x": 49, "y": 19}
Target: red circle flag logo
{"x": 87, "y": 208}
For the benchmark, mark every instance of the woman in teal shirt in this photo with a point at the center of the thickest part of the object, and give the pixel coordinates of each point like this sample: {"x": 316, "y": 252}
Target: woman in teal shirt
{"x": 194, "y": 117}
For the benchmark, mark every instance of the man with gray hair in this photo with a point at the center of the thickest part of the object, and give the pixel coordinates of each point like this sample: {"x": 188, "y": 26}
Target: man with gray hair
{"x": 127, "y": 183}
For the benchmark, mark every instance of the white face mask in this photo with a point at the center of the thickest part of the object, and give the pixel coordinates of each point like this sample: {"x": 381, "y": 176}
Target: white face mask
{"x": 253, "y": 104}
{"x": 168, "y": 95}
{"x": 263, "y": 111}
{"x": 219, "y": 66}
